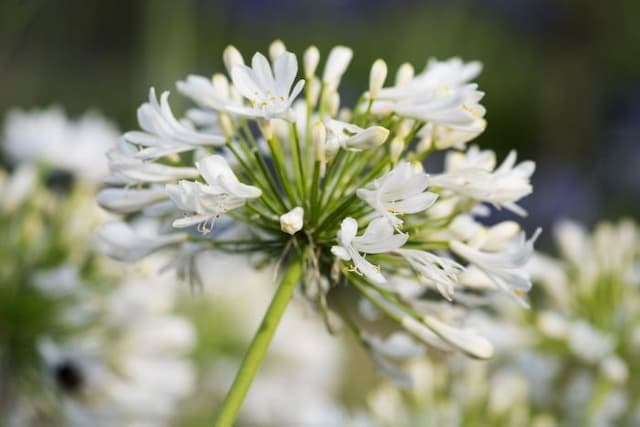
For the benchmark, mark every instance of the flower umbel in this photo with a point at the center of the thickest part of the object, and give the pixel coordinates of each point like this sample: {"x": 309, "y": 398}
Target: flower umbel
{"x": 297, "y": 178}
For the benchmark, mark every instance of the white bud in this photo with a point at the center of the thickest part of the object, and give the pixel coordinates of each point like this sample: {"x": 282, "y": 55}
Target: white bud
{"x": 499, "y": 235}
{"x": 345, "y": 114}
{"x": 615, "y": 369}
{"x": 404, "y": 74}
{"x": 553, "y": 325}
{"x": 369, "y": 138}
{"x": 224, "y": 121}
{"x": 396, "y": 149}
{"x": 292, "y": 221}
{"x": 220, "y": 84}
{"x": 276, "y": 49}
{"x": 336, "y": 65}
{"x": 377, "y": 77}
{"x": 467, "y": 341}
{"x": 426, "y": 138}
{"x": 310, "y": 60}
{"x": 333, "y": 104}
{"x": 231, "y": 57}
{"x": 314, "y": 91}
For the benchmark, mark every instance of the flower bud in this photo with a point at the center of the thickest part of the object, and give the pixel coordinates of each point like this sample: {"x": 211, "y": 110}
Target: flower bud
{"x": 276, "y": 48}
{"x": 467, "y": 341}
{"x": 615, "y": 369}
{"x": 404, "y": 74}
{"x": 220, "y": 84}
{"x": 333, "y": 103}
{"x": 292, "y": 221}
{"x": 396, "y": 149}
{"x": 231, "y": 57}
{"x": 310, "y": 59}
{"x": 314, "y": 91}
{"x": 377, "y": 77}
{"x": 336, "y": 65}
{"x": 266, "y": 128}
{"x": 369, "y": 138}
{"x": 224, "y": 121}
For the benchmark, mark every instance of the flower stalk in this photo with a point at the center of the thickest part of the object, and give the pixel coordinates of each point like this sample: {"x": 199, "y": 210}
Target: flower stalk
{"x": 259, "y": 345}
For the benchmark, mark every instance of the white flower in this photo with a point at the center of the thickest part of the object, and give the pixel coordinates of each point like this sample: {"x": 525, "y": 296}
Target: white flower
{"x": 441, "y": 271}
{"x": 377, "y": 76}
{"x": 292, "y": 221}
{"x": 206, "y": 202}
{"x": 212, "y": 94}
{"x": 48, "y": 136}
{"x": 505, "y": 268}
{"x": 122, "y": 242}
{"x": 399, "y": 192}
{"x": 129, "y": 200}
{"x": 501, "y": 187}
{"x": 337, "y": 63}
{"x": 352, "y": 137}
{"x": 378, "y": 238}
{"x": 269, "y": 93}
{"x": 128, "y": 169}
{"x": 438, "y": 95}
{"x": 163, "y": 134}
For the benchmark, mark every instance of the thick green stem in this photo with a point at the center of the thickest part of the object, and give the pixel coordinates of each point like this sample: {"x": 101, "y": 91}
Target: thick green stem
{"x": 259, "y": 345}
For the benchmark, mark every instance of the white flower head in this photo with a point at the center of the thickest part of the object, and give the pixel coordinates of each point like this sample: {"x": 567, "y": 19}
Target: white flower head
{"x": 401, "y": 191}
{"x": 204, "y": 203}
{"x": 269, "y": 92}
{"x": 378, "y": 238}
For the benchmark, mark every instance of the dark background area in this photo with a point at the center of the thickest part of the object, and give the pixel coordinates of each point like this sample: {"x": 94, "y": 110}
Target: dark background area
{"x": 562, "y": 77}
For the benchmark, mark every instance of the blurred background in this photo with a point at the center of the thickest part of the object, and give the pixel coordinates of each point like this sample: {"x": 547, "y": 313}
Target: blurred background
{"x": 562, "y": 77}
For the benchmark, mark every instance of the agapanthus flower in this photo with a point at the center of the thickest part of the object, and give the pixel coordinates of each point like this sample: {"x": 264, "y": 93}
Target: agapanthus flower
{"x": 301, "y": 177}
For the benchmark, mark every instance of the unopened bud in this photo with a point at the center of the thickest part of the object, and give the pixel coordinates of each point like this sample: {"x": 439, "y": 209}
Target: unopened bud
{"x": 310, "y": 60}
{"x": 314, "y": 91}
{"x": 266, "y": 128}
{"x": 368, "y": 138}
{"x": 377, "y": 77}
{"x": 231, "y": 57}
{"x": 333, "y": 103}
{"x": 337, "y": 63}
{"x": 396, "y": 149}
{"x": 220, "y": 84}
{"x": 224, "y": 121}
{"x": 276, "y": 49}
{"x": 404, "y": 74}
{"x": 292, "y": 221}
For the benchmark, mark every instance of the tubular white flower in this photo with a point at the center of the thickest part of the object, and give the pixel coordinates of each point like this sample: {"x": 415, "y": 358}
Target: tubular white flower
{"x": 404, "y": 74}
{"x": 129, "y": 200}
{"x": 377, "y": 76}
{"x": 231, "y": 57}
{"x": 206, "y": 202}
{"x": 337, "y": 63}
{"x": 122, "y": 242}
{"x": 378, "y": 238}
{"x": 501, "y": 187}
{"x": 269, "y": 93}
{"x": 506, "y": 268}
{"x": 310, "y": 59}
{"x": 213, "y": 93}
{"x": 276, "y": 48}
{"x": 127, "y": 168}
{"x": 351, "y": 137}
{"x": 401, "y": 191}
{"x": 441, "y": 271}
{"x": 292, "y": 221}
{"x": 163, "y": 134}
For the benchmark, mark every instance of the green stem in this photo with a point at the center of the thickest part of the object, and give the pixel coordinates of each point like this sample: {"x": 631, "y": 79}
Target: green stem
{"x": 259, "y": 345}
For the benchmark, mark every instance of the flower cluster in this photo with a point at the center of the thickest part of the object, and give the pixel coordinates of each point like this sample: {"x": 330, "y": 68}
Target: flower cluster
{"x": 79, "y": 344}
{"x": 338, "y": 196}
{"x": 589, "y": 328}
